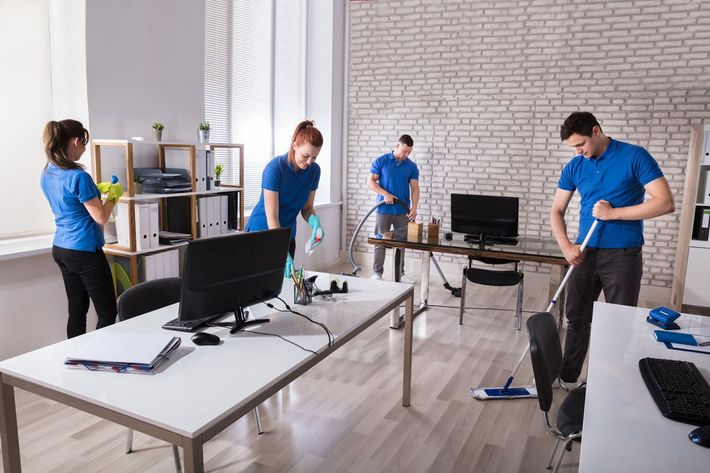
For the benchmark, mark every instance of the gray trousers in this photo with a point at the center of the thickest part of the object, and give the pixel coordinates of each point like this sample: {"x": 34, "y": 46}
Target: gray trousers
{"x": 618, "y": 272}
{"x": 384, "y": 223}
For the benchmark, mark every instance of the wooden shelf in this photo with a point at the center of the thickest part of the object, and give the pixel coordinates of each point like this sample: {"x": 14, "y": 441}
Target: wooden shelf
{"x": 682, "y": 279}
{"x": 117, "y": 250}
{"x": 146, "y": 197}
{"x": 131, "y": 199}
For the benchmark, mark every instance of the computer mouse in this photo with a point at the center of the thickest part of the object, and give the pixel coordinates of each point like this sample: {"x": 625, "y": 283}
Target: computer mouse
{"x": 204, "y": 338}
{"x": 701, "y": 436}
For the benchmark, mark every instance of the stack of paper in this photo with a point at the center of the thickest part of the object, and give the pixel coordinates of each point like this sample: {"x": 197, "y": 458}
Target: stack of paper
{"x": 123, "y": 352}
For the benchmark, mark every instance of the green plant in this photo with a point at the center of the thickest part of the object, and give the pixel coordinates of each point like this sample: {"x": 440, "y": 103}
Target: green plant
{"x": 218, "y": 171}
{"x": 138, "y": 179}
{"x": 158, "y": 126}
{"x": 205, "y": 126}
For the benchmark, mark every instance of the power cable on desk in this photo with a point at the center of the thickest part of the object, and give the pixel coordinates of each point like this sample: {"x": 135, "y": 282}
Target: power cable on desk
{"x": 331, "y": 337}
{"x": 277, "y": 335}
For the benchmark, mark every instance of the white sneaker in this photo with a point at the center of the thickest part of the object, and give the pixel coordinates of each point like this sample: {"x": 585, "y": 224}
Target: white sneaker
{"x": 376, "y": 276}
{"x": 406, "y": 279}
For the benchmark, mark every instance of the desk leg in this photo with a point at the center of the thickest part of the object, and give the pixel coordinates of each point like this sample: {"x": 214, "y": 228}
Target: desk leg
{"x": 192, "y": 451}
{"x": 408, "y": 333}
{"x": 426, "y": 257}
{"x": 8, "y": 429}
{"x": 395, "y": 321}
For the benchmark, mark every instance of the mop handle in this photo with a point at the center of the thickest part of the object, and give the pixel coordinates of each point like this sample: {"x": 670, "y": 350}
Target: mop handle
{"x": 554, "y": 301}
{"x": 571, "y": 268}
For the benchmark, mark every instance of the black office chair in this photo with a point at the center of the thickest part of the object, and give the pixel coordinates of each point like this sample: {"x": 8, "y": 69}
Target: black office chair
{"x": 146, "y": 297}
{"x": 143, "y": 298}
{"x": 546, "y": 357}
{"x": 498, "y": 278}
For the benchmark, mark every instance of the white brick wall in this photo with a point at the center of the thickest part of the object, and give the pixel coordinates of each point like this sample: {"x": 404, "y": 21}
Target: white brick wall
{"x": 483, "y": 88}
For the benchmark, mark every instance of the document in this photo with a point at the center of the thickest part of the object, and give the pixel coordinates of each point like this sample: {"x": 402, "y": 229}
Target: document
{"x": 123, "y": 352}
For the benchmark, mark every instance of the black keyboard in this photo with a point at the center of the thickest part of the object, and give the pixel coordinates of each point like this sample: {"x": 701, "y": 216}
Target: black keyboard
{"x": 680, "y": 391}
{"x": 189, "y": 325}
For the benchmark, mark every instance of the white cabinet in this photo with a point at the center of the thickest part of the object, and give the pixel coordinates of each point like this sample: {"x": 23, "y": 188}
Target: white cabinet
{"x": 697, "y": 278}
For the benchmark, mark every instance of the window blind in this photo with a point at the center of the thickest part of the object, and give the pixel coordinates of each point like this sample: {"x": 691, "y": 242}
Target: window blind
{"x": 254, "y": 80}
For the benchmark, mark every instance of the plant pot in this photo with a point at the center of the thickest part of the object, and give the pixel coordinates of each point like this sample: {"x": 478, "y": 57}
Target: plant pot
{"x": 217, "y": 183}
{"x": 137, "y": 188}
{"x": 157, "y": 134}
{"x": 203, "y": 136}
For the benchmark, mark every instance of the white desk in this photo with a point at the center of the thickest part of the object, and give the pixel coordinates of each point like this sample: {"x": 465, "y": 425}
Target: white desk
{"x": 623, "y": 428}
{"x": 219, "y": 383}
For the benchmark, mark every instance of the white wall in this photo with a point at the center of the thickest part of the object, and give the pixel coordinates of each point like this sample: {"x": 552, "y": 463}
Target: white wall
{"x": 145, "y": 63}
{"x": 33, "y": 305}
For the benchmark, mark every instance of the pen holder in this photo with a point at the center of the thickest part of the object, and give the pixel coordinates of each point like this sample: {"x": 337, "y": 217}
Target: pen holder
{"x": 303, "y": 293}
{"x": 415, "y": 230}
{"x": 433, "y": 232}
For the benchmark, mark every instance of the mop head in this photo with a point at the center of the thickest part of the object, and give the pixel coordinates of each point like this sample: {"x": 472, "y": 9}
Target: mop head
{"x": 487, "y": 394}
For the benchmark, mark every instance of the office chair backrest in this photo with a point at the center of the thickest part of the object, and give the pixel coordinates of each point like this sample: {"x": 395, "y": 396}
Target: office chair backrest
{"x": 546, "y": 355}
{"x": 148, "y": 296}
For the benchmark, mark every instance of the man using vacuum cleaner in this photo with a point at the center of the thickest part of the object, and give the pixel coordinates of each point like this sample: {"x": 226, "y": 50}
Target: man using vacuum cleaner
{"x": 611, "y": 177}
{"x": 392, "y": 175}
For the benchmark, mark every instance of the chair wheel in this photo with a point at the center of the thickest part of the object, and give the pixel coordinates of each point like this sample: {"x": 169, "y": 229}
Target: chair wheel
{"x": 569, "y": 447}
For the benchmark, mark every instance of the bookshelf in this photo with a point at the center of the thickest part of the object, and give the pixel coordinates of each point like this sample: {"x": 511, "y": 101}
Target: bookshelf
{"x": 690, "y": 291}
{"x": 118, "y": 156}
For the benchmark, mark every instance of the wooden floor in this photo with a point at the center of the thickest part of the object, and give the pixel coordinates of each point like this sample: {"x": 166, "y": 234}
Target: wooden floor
{"x": 345, "y": 414}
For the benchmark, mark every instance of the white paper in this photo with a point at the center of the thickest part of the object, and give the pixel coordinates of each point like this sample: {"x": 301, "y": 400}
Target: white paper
{"x": 135, "y": 348}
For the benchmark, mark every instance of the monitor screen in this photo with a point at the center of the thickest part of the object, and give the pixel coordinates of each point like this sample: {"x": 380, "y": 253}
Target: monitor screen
{"x": 484, "y": 215}
{"x": 228, "y": 273}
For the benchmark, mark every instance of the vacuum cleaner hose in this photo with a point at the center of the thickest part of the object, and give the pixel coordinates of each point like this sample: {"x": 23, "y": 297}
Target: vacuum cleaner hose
{"x": 356, "y": 268}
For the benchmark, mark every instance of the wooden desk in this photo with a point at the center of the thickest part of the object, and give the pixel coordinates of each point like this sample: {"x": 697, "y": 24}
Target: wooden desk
{"x": 526, "y": 249}
{"x": 203, "y": 389}
{"x": 623, "y": 428}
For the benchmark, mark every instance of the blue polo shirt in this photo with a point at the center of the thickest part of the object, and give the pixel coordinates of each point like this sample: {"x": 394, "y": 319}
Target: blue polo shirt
{"x": 617, "y": 176}
{"x": 293, "y": 185}
{"x": 394, "y": 178}
{"x": 66, "y": 191}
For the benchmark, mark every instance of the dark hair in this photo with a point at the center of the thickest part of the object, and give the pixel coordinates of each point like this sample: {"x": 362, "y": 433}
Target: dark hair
{"x": 406, "y": 140}
{"x": 305, "y": 132}
{"x": 57, "y": 136}
{"x": 581, "y": 123}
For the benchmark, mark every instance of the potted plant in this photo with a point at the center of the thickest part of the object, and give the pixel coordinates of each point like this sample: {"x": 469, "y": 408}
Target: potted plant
{"x": 203, "y": 132}
{"x": 158, "y": 131}
{"x": 217, "y": 173}
{"x": 138, "y": 181}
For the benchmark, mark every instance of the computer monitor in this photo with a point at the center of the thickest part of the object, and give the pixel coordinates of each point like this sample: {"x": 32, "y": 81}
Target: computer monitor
{"x": 484, "y": 217}
{"x": 229, "y": 273}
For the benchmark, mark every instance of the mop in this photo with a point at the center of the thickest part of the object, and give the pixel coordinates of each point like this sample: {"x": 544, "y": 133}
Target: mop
{"x": 455, "y": 291}
{"x": 507, "y": 392}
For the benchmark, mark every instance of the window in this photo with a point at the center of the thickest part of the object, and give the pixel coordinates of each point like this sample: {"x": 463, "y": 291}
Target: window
{"x": 26, "y": 98}
{"x": 254, "y": 80}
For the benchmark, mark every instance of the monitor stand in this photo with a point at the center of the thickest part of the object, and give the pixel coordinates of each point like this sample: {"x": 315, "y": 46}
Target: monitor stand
{"x": 241, "y": 320}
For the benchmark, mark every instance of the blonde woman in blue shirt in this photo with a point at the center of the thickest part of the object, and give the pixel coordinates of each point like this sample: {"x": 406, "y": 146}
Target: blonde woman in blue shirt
{"x": 79, "y": 215}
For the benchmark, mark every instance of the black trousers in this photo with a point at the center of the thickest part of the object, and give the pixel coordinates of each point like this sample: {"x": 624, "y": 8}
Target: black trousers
{"x": 86, "y": 276}
{"x": 616, "y": 271}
